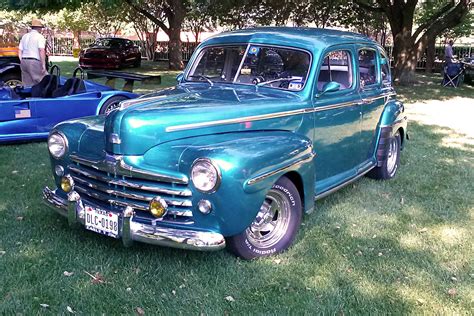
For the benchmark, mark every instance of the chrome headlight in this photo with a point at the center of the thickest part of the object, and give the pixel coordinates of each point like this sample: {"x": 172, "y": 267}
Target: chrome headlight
{"x": 206, "y": 175}
{"x": 57, "y": 144}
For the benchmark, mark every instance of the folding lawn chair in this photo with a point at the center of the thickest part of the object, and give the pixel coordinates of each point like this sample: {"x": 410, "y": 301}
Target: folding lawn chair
{"x": 453, "y": 75}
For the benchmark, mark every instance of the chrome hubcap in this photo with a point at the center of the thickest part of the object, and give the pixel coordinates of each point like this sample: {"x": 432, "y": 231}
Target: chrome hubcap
{"x": 392, "y": 156}
{"x": 112, "y": 107}
{"x": 271, "y": 222}
{"x": 13, "y": 83}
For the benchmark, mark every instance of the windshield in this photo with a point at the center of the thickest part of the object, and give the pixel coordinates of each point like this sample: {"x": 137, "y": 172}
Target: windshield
{"x": 107, "y": 42}
{"x": 282, "y": 68}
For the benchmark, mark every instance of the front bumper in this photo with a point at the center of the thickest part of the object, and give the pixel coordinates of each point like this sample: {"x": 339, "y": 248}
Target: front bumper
{"x": 130, "y": 230}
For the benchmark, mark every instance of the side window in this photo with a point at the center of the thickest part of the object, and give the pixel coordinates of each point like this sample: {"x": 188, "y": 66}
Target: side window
{"x": 367, "y": 67}
{"x": 336, "y": 67}
{"x": 385, "y": 68}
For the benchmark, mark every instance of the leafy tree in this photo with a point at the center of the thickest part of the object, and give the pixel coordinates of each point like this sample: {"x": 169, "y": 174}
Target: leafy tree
{"x": 105, "y": 20}
{"x": 410, "y": 42}
{"x": 199, "y": 18}
{"x": 146, "y": 30}
{"x": 75, "y": 21}
{"x": 170, "y": 19}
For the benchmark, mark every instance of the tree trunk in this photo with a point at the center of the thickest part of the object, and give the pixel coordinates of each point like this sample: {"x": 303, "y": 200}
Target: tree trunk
{"x": 76, "y": 39}
{"x": 430, "y": 54}
{"x": 174, "y": 49}
{"x": 404, "y": 56}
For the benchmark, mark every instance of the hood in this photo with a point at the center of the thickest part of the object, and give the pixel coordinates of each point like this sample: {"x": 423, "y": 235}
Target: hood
{"x": 100, "y": 50}
{"x": 190, "y": 110}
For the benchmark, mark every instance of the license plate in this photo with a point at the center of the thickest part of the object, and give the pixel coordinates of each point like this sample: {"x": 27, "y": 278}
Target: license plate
{"x": 102, "y": 222}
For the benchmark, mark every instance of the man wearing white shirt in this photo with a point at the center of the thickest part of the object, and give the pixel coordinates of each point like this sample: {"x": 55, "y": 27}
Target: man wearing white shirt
{"x": 32, "y": 53}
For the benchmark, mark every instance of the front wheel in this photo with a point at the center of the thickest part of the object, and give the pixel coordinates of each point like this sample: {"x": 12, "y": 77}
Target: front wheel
{"x": 275, "y": 226}
{"x": 391, "y": 163}
{"x": 111, "y": 104}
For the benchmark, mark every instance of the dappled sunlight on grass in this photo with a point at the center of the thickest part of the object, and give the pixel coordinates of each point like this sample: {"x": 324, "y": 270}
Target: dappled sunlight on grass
{"x": 428, "y": 87}
{"x": 411, "y": 241}
{"x": 451, "y": 235}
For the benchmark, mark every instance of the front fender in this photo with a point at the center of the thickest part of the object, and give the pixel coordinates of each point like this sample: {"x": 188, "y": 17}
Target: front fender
{"x": 250, "y": 163}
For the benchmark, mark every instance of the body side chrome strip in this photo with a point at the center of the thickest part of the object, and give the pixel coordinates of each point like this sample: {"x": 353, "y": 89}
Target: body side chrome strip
{"x": 273, "y": 172}
{"x": 252, "y": 118}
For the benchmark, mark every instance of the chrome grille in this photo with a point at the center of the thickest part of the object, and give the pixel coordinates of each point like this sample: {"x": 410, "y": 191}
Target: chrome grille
{"x": 124, "y": 189}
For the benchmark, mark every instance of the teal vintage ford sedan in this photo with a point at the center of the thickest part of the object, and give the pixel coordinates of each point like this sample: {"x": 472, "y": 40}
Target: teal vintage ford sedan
{"x": 262, "y": 123}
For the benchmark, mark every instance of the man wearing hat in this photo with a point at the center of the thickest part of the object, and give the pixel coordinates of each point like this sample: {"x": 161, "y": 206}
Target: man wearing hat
{"x": 32, "y": 53}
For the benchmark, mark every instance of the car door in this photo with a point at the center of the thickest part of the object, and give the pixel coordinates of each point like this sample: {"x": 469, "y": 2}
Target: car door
{"x": 373, "y": 100}
{"x": 337, "y": 119}
{"x": 49, "y": 112}
{"x": 16, "y": 117}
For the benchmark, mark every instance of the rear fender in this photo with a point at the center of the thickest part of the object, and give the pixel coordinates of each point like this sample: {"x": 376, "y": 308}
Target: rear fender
{"x": 393, "y": 119}
{"x": 11, "y": 67}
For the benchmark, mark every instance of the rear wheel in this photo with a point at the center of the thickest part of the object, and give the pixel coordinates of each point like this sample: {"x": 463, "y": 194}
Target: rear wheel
{"x": 12, "y": 80}
{"x": 275, "y": 226}
{"x": 111, "y": 104}
{"x": 391, "y": 163}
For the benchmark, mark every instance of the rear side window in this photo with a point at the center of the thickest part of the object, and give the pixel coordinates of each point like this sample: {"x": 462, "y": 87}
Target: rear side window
{"x": 367, "y": 67}
{"x": 336, "y": 67}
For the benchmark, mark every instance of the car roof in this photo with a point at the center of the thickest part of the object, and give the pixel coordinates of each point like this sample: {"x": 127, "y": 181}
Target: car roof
{"x": 304, "y": 37}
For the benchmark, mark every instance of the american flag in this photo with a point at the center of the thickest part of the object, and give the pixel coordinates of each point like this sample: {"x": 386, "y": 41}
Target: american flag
{"x": 22, "y": 114}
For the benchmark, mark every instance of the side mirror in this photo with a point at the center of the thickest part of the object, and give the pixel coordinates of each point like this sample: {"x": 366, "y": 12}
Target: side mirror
{"x": 331, "y": 86}
{"x": 179, "y": 77}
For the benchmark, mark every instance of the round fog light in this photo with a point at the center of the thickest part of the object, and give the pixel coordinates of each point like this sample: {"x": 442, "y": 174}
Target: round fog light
{"x": 204, "y": 206}
{"x": 67, "y": 184}
{"x": 158, "y": 207}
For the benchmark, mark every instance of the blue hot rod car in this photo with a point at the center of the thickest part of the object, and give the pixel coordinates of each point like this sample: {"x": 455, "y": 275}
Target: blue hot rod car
{"x": 30, "y": 113}
{"x": 262, "y": 122}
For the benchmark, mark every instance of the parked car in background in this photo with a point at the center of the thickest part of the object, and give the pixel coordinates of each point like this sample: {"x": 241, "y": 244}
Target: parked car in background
{"x": 262, "y": 122}
{"x": 29, "y": 113}
{"x": 110, "y": 53}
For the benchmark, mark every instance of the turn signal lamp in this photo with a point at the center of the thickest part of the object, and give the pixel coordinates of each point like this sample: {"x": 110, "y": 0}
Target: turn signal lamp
{"x": 158, "y": 207}
{"x": 67, "y": 184}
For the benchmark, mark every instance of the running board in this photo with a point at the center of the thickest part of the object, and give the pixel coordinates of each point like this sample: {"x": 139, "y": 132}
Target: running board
{"x": 339, "y": 186}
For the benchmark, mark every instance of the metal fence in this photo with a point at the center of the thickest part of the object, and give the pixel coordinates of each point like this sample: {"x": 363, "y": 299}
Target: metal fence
{"x": 63, "y": 47}
{"x": 459, "y": 51}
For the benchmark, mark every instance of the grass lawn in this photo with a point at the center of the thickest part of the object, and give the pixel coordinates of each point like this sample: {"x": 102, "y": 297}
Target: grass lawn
{"x": 402, "y": 246}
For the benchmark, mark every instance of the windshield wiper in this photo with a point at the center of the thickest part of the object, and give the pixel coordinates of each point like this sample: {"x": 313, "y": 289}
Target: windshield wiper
{"x": 203, "y": 77}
